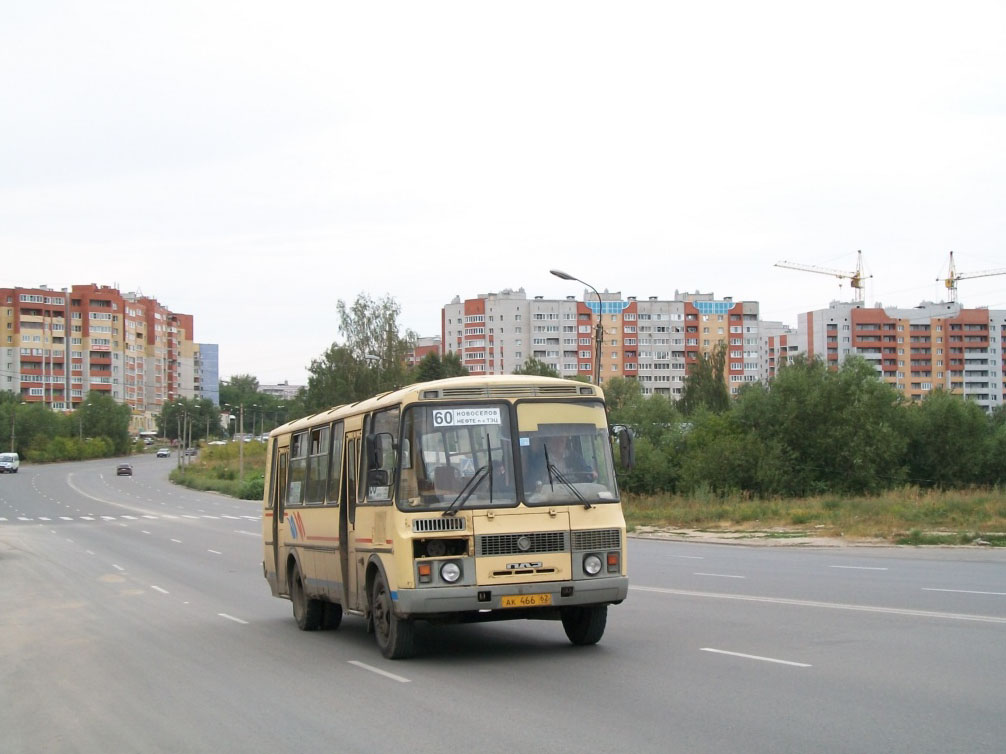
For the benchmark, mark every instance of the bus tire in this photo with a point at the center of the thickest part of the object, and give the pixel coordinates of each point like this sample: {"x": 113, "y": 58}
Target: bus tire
{"x": 395, "y": 636}
{"x": 585, "y": 625}
{"x": 333, "y": 616}
{"x": 306, "y": 611}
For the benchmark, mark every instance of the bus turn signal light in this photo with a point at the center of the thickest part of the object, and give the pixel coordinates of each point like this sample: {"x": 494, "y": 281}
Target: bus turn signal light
{"x": 425, "y": 573}
{"x": 612, "y": 562}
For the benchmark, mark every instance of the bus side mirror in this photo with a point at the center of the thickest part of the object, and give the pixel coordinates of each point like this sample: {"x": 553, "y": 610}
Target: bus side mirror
{"x": 627, "y": 447}
{"x": 377, "y": 478}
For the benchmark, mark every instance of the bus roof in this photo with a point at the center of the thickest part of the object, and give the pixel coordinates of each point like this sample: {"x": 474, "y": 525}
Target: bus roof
{"x": 456, "y": 388}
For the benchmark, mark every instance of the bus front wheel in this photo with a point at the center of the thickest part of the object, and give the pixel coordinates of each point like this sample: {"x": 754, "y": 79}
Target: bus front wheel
{"x": 395, "y": 636}
{"x": 307, "y": 612}
{"x": 585, "y": 625}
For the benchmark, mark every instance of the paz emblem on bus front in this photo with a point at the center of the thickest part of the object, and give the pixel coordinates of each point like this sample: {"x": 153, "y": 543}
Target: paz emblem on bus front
{"x": 524, "y": 543}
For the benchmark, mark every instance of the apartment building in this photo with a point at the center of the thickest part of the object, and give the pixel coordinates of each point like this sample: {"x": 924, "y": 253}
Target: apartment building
{"x": 652, "y": 340}
{"x": 933, "y": 345}
{"x": 58, "y": 345}
{"x": 779, "y": 343}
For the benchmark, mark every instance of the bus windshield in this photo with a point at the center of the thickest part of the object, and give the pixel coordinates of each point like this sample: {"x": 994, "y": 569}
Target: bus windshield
{"x": 457, "y": 456}
{"x": 564, "y": 453}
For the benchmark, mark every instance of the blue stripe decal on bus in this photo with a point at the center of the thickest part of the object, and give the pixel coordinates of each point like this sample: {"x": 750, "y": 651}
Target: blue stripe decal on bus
{"x": 394, "y": 596}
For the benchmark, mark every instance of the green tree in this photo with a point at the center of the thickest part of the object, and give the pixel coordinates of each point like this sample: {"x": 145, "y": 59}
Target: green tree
{"x": 370, "y": 360}
{"x": 452, "y": 365}
{"x": 950, "y": 442}
{"x": 832, "y": 430}
{"x": 432, "y": 367}
{"x": 239, "y": 389}
{"x": 336, "y": 377}
{"x": 429, "y": 368}
{"x": 533, "y": 366}
{"x": 620, "y": 392}
{"x": 705, "y": 385}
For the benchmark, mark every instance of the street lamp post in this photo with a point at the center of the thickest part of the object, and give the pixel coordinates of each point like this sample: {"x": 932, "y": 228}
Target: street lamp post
{"x": 80, "y": 422}
{"x": 599, "y": 330}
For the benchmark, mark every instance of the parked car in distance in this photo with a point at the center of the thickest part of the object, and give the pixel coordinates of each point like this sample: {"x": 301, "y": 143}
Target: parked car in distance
{"x": 9, "y": 463}
{"x": 163, "y": 452}
{"x": 123, "y": 469}
{"x": 190, "y": 451}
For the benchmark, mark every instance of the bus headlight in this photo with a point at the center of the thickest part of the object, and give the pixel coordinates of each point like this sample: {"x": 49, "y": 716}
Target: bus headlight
{"x": 591, "y": 565}
{"x": 451, "y": 572}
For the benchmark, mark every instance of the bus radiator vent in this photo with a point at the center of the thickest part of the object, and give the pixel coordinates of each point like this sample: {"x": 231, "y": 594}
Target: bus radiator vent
{"x": 425, "y": 525}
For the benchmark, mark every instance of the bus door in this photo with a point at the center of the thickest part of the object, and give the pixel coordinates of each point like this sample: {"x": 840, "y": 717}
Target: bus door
{"x": 349, "y": 547}
{"x": 278, "y": 492}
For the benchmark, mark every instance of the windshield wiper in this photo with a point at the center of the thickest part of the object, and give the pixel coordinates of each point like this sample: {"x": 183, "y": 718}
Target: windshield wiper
{"x": 553, "y": 471}
{"x": 467, "y": 490}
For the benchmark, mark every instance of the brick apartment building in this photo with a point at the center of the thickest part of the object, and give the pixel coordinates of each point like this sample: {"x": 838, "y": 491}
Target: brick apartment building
{"x": 58, "y": 345}
{"x": 933, "y": 345}
{"x": 652, "y": 340}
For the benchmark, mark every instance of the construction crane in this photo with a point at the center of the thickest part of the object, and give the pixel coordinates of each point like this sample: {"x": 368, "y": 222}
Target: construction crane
{"x": 950, "y": 281}
{"x": 855, "y": 278}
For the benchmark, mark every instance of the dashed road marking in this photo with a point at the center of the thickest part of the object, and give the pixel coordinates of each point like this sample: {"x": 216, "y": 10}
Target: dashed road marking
{"x": 756, "y": 657}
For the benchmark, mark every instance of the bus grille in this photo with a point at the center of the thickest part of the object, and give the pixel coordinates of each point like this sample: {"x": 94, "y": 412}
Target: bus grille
{"x": 452, "y": 523}
{"x": 506, "y": 544}
{"x": 597, "y": 539}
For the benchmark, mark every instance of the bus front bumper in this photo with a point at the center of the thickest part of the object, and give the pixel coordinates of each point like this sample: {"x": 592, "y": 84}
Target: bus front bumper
{"x": 546, "y": 595}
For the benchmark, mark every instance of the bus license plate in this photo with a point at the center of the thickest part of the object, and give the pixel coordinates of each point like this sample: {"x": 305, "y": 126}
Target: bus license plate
{"x": 525, "y": 600}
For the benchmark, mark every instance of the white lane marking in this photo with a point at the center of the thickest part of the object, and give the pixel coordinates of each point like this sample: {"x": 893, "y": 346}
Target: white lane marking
{"x": 234, "y": 518}
{"x": 158, "y": 589}
{"x": 144, "y": 531}
{"x": 720, "y": 575}
{"x": 86, "y": 518}
{"x": 249, "y": 533}
{"x": 118, "y": 567}
{"x": 756, "y": 657}
{"x": 152, "y": 517}
{"x": 131, "y": 518}
{"x": 22, "y": 518}
{"x": 67, "y": 518}
{"x": 3, "y": 519}
{"x": 209, "y": 516}
{"x": 89, "y": 552}
{"x": 828, "y": 605}
{"x": 177, "y": 541}
{"x": 215, "y": 552}
{"x": 859, "y": 568}
{"x": 688, "y": 557}
{"x": 965, "y": 591}
{"x": 187, "y": 515}
{"x": 385, "y": 673}
{"x": 231, "y": 617}
{"x": 43, "y": 518}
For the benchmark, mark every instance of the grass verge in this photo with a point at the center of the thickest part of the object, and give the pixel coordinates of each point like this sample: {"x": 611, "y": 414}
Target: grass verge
{"x": 908, "y": 515}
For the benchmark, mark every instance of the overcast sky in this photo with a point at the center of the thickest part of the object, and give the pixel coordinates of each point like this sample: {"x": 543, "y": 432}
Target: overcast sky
{"x": 251, "y": 163}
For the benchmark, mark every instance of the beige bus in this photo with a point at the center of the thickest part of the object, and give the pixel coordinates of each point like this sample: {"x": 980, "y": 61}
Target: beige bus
{"x": 459, "y": 500}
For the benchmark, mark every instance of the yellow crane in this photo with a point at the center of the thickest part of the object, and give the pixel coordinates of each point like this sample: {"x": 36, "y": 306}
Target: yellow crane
{"x": 855, "y": 278}
{"x": 950, "y": 281}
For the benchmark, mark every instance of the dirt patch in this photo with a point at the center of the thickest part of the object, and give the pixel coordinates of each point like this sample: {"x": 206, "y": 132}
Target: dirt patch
{"x": 777, "y": 537}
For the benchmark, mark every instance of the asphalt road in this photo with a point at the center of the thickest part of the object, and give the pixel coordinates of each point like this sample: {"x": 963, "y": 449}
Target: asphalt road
{"x": 134, "y": 618}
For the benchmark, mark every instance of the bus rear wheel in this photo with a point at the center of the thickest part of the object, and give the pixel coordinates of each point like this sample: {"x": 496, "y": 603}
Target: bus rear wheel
{"x": 585, "y": 625}
{"x": 395, "y": 636}
{"x": 306, "y": 611}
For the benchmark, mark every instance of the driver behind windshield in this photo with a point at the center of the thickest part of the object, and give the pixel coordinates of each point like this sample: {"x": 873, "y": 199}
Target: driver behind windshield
{"x": 563, "y": 456}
